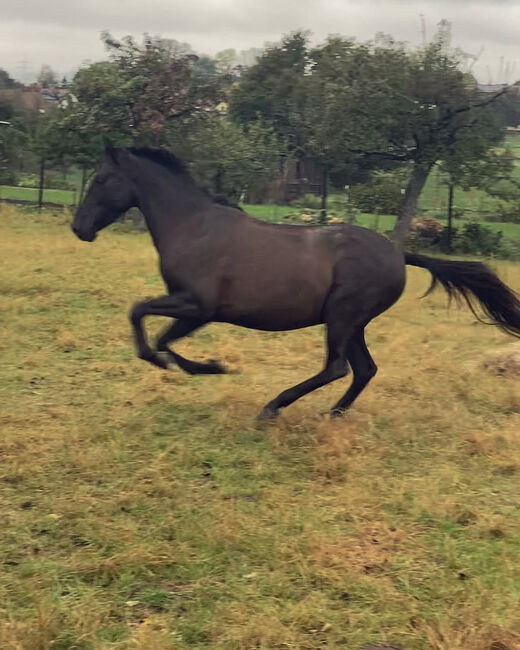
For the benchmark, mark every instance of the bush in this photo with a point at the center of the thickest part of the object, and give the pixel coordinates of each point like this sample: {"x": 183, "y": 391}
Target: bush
{"x": 308, "y": 202}
{"x": 7, "y": 176}
{"x": 427, "y": 227}
{"x": 383, "y": 194}
{"x": 59, "y": 184}
{"x": 425, "y": 233}
{"x": 510, "y": 249}
{"x": 477, "y": 240}
{"x": 26, "y": 179}
{"x": 340, "y": 207}
{"x": 471, "y": 239}
{"x": 53, "y": 181}
{"x": 506, "y": 211}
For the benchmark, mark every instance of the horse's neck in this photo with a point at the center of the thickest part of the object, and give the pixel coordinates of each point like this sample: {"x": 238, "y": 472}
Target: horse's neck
{"x": 167, "y": 206}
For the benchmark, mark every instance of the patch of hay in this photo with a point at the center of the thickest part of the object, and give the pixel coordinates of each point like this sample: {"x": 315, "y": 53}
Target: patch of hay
{"x": 504, "y": 362}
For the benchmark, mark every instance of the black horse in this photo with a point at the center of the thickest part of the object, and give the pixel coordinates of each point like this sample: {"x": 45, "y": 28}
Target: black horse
{"x": 219, "y": 264}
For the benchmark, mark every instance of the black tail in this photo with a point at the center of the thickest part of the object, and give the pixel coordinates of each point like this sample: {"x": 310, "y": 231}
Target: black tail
{"x": 474, "y": 282}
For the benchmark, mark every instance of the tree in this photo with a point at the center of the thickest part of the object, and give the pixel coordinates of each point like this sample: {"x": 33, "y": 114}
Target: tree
{"x": 144, "y": 90}
{"x": 47, "y": 78}
{"x": 97, "y": 102}
{"x": 156, "y": 85}
{"x": 357, "y": 107}
{"x": 507, "y": 106}
{"x": 470, "y": 162}
{"x": 6, "y": 81}
{"x": 232, "y": 160}
{"x": 344, "y": 109}
{"x": 429, "y": 112}
{"x": 225, "y": 60}
{"x": 11, "y": 141}
{"x": 275, "y": 90}
{"x": 150, "y": 93}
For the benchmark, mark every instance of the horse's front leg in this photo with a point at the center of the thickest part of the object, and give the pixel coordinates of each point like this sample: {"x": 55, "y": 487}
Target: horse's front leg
{"x": 179, "y": 329}
{"x": 180, "y": 305}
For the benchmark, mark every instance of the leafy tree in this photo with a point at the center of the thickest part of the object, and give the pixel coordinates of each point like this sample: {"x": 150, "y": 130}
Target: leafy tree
{"x": 470, "y": 162}
{"x": 156, "y": 85}
{"x": 345, "y": 107}
{"x": 507, "y": 106}
{"x": 432, "y": 112}
{"x": 6, "y": 110}
{"x": 225, "y": 60}
{"x": 11, "y": 141}
{"x": 142, "y": 92}
{"x": 275, "y": 90}
{"x": 97, "y": 102}
{"x": 232, "y": 160}
{"x": 356, "y": 107}
{"x": 139, "y": 96}
{"x": 6, "y": 82}
{"x": 47, "y": 78}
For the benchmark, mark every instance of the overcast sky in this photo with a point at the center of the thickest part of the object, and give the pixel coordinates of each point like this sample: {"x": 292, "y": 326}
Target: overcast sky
{"x": 65, "y": 33}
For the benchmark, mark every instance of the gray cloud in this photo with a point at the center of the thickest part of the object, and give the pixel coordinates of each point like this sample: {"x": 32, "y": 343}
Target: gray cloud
{"x": 64, "y": 33}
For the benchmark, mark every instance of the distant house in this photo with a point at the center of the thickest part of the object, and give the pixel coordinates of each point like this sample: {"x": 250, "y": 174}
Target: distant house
{"x": 27, "y": 98}
{"x": 53, "y": 95}
{"x": 32, "y": 97}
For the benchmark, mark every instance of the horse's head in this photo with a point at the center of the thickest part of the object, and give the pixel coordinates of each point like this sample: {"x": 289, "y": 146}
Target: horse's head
{"x": 110, "y": 194}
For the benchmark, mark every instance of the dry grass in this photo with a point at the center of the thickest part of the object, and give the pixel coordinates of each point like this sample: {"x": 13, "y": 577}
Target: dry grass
{"x": 505, "y": 361}
{"x": 142, "y": 510}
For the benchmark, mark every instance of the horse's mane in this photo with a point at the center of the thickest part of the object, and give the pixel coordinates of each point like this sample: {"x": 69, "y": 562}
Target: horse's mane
{"x": 177, "y": 166}
{"x": 162, "y": 157}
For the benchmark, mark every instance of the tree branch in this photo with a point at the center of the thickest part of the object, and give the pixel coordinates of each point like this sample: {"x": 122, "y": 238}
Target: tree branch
{"x": 176, "y": 116}
{"x": 463, "y": 109}
{"x": 386, "y": 154}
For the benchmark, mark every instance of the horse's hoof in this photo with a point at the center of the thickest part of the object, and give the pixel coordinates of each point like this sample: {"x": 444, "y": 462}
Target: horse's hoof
{"x": 266, "y": 415}
{"x": 215, "y": 367}
{"x": 163, "y": 360}
{"x": 337, "y": 413}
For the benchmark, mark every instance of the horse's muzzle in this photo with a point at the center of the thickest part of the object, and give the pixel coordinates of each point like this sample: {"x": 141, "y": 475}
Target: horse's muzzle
{"x": 84, "y": 236}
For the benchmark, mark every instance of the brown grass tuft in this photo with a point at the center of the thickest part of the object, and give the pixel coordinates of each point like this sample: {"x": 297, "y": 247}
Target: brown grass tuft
{"x": 504, "y": 362}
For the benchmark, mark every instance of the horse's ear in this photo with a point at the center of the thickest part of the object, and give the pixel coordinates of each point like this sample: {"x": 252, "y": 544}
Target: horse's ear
{"x": 110, "y": 150}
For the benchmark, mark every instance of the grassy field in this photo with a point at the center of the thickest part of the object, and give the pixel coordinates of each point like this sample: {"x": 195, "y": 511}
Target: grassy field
{"x": 63, "y": 197}
{"x": 142, "y": 510}
{"x": 381, "y": 223}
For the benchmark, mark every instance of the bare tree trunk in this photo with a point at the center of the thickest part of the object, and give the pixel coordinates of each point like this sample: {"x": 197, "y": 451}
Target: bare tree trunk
{"x": 411, "y": 197}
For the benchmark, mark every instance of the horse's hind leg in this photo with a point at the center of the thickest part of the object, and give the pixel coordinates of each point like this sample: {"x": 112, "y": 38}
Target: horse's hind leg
{"x": 180, "y": 328}
{"x": 363, "y": 369}
{"x": 338, "y": 334}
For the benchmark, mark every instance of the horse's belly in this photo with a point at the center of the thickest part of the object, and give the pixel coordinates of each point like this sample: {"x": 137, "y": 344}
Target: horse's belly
{"x": 273, "y": 308}
{"x": 267, "y": 322}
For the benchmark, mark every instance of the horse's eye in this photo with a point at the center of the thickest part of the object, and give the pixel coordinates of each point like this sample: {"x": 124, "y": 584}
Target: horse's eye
{"x": 100, "y": 179}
